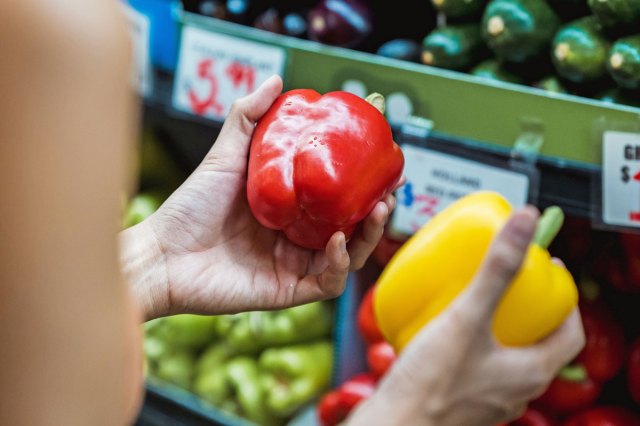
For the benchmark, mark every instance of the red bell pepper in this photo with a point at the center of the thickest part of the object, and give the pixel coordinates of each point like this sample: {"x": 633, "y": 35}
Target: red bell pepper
{"x": 605, "y": 416}
{"x": 633, "y": 371}
{"x": 612, "y": 269}
{"x": 380, "y": 358}
{"x": 579, "y": 386}
{"x": 367, "y": 324}
{"x": 573, "y": 390}
{"x": 534, "y": 417}
{"x": 604, "y": 353}
{"x": 631, "y": 245}
{"x": 319, "y": 164}
{"x": 338, "y": 404}
{"x": 575, "y": 240}
{"x": 330, "y": 409}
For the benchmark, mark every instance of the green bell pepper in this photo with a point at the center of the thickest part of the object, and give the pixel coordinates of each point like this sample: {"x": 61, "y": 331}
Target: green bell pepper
{"x": 250, "y": 332}
{"x": 187, "y": 331}
{"x": 243, "y": 378}
{"x": 292, "y": 376}
{"x": 177, "y": 368}
{"x": 210, "y": 382}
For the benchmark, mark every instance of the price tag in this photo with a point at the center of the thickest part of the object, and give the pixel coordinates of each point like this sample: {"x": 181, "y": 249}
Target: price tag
{"x": 435, "y": 180}
{"x": 139, "y": 32}
{"x": 621, "y": 178}
{"x": 216, "y": 69}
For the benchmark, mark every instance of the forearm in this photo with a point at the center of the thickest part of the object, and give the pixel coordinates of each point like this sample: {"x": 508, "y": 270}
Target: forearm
{"x": 143, "y": 265}
{"x": 71, "y": 344}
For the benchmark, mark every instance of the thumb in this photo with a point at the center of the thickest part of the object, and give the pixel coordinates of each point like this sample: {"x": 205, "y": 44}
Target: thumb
{"x": 500, "y": 266}
{"x": 233, "y": 141}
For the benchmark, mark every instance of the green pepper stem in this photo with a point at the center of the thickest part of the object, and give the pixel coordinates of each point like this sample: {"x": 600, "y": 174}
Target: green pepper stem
{"x": 377, "y": 100}
{"x": 574, "y": 373}
{"x": 549, "y": 225}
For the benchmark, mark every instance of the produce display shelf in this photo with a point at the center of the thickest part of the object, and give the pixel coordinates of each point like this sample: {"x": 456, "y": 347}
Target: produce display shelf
{"x": 460, "y": 105}
{"x": 470, "y": 115}
{"x": 568, "y": 185}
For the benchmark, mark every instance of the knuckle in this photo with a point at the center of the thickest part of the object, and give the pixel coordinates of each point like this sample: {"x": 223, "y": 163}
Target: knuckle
{"x": 237, "y": 107}
{"x": 504, "y": 261}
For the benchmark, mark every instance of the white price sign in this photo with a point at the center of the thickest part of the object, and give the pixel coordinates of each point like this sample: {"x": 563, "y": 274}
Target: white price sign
{"x": 621, "y": 178}
{"x": 216, "y": 69}
{"x": 435, "y": 180}
{"x": 139, "y": 33}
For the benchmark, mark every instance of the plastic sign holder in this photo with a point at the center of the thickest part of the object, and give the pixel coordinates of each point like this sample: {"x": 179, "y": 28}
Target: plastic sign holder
{"x": 616, "y": 191}
{"x": 440, "y": 170}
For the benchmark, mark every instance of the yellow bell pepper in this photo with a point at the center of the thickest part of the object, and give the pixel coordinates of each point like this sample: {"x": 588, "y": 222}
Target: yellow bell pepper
{"x": 442, "y": 258}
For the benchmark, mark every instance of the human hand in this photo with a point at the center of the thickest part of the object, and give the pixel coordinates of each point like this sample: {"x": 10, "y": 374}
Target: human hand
{"x": 454, "y": 372}
{"x": 213, "y": 257}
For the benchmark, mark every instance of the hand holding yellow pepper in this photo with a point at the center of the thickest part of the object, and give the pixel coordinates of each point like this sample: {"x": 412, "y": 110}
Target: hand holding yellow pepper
{"x": 439, "y": 261}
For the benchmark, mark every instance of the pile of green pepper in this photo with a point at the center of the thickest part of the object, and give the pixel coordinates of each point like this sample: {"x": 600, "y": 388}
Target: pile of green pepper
{"x": 263, "y": 366}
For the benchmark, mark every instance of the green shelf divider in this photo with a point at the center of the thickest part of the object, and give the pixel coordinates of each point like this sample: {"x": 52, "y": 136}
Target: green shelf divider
{"x": 459, "y": 104}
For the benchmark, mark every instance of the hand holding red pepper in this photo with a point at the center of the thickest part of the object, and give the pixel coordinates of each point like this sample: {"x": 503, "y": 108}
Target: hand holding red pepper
{"x": 319, "y": 164}
{"x": 205, "y": 248}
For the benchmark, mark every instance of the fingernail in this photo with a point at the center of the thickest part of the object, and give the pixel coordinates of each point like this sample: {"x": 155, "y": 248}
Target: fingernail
{"x": 271, "y": 79}
{"x": 558, "y": 262}
{"x": 385, "y": 214}
{"x": 342, "y": 243}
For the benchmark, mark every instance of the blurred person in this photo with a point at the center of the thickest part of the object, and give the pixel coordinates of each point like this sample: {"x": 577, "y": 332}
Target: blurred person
{"x": 74, "y": 289}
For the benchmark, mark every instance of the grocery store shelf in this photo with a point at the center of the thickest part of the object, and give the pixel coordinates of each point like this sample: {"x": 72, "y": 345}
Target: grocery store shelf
{"x": 471, "y": 117}
{"x": 460, "y": 105}
{"x": 562, "y": 183}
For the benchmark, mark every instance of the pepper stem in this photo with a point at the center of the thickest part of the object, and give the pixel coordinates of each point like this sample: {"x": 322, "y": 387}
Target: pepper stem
{"x": 549, "y": 225}
{"x": 377, "y": 100}
{"x": 573, "y": 373}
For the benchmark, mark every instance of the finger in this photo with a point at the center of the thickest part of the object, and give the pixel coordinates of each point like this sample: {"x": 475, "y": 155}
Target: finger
{"x": 401, "y": 182}
{"x": 558, "y": 262}
{"x": 500, "y": 266}
{"x": 558, "y": 349}
{"x": 390, "y": 201}
{"x": 333, "y": 279}
{"x": 365, "y": 241}
{"x": 238, "y": 127}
